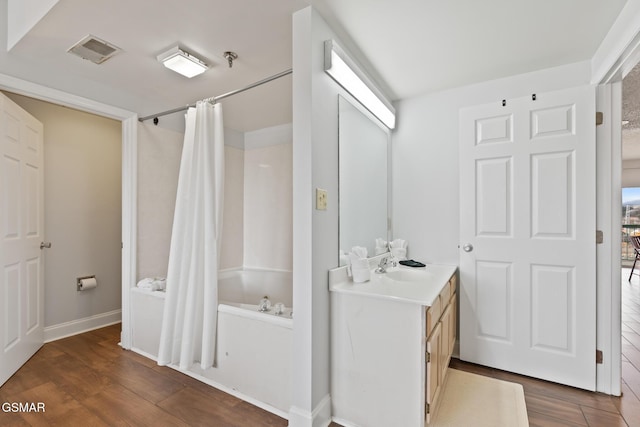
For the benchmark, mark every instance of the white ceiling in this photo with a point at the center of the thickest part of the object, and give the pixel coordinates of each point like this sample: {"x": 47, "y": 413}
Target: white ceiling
{"x": 421, "y": 46}
{"x": 415, "y": 46}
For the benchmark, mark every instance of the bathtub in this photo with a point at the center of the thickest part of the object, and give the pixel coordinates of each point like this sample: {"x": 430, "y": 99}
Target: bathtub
{"x": 250, "y": 286}
{"x": 254, "y": 349}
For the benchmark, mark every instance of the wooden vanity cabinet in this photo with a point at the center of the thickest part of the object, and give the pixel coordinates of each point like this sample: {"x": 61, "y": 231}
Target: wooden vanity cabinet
{"x": 440, "y": 335}
{"x": 390, "y": 347}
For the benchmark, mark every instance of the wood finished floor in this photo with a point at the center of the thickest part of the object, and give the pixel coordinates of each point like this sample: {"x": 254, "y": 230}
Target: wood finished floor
{"x": 550, "y": 405}
{"x": 87, "y": 380}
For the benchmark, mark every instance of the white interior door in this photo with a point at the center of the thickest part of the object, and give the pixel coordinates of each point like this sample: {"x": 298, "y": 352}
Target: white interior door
{"x": 527, "y": 229}
{"x": 21, "y": 232}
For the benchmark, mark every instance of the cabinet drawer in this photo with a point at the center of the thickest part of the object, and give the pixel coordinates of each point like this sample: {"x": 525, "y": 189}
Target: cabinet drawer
{"x": 433, "y": 315}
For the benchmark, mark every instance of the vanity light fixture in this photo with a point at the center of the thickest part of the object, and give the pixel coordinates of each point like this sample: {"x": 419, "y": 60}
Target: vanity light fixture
{"x": 348, "y": 75}
{"x": 182, "y": 62}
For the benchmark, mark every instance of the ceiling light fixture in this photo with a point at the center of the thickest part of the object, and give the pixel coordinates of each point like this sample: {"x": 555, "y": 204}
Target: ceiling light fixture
{"x": 182, "y": 62}
{"x": 348, "y": 75}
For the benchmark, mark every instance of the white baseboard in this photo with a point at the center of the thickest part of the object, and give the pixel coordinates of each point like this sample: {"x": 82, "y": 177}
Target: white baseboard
{"x": 319, "y": 417}
{"x": 75, "y": 327}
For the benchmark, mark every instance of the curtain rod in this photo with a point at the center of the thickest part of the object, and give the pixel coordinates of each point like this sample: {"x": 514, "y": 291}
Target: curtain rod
{"x": 219, "y": 97}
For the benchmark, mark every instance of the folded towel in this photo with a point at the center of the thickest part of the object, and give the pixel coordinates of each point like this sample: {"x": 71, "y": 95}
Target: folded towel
{"x": 358, "y": 252}
{"x": 398, "y": 248}
{"x": 153, "y": 283}
{"x": 382, "y": 246}
{"x": 359, "y": 264}
{"x": 398, "y": 243}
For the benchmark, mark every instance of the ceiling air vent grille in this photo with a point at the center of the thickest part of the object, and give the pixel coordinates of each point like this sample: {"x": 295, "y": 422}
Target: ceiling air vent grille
{"x": 93, "y": 49}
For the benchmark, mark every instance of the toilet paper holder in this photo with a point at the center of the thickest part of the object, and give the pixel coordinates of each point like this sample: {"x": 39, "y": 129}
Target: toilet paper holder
{"x": 80, "y": 279}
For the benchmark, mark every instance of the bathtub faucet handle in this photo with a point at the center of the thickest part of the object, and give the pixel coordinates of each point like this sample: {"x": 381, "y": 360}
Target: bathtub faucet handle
{"x": 265, "y": 304}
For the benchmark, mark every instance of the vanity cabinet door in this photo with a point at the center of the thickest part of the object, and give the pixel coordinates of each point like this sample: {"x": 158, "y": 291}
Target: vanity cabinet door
{"x": 433, "y": 315}
{"x": 433, "y": 380}
{"x": 445, "y": 353}
{"x": 454, "y": 323}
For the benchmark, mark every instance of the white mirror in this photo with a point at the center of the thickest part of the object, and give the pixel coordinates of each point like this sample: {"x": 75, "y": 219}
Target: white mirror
{"x": 364, "y": 179}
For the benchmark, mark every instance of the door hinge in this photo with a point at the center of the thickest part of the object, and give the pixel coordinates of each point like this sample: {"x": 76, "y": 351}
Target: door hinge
{"x": 599, "y": 118}
{"x": 599, "y": 237}
{"x": 599, "y": 357}
{"x": 427, "y": 408}
{"x": 428, "y": 357}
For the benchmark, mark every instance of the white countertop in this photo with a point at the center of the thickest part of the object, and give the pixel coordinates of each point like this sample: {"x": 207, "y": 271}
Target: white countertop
{"x": 423, "y": 286}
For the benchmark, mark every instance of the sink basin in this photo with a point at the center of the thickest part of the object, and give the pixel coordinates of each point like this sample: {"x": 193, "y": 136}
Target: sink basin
{"x": 406, "y": 275}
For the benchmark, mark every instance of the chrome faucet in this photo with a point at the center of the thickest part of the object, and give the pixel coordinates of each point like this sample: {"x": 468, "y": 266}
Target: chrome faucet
{"x": 385, "y": 263}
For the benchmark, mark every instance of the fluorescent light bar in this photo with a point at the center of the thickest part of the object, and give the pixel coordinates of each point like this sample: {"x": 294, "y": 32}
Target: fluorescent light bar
{"x": 182, "y": 62}
{"x": 347, "y": 74}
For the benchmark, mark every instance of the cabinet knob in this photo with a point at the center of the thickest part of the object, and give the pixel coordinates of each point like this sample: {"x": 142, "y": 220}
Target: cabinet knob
{"x": 467, "y": 247}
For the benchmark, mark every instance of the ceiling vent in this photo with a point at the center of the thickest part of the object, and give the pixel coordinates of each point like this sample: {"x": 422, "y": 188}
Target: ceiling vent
{"x": 93, "y": 49}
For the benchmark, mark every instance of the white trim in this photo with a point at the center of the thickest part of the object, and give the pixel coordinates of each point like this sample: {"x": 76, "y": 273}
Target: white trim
{"x": 129, "y": 172}
{"x": 79, "y": 326}
{"x": 55, "y": 96}
{"x": 618, "y": 53}
{"x": 615, "y": 315}
{"x": 319, "y": 417}
{"x": 620, "y": 49}
{"x": 129, "y": 221}
{"x": 607, "y": 262}
{"x": 609, "y": 200}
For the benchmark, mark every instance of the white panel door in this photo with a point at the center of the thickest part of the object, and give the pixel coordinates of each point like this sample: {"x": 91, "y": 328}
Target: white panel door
{"x": 527, "y": 230}
{"x": 21, "y": 232}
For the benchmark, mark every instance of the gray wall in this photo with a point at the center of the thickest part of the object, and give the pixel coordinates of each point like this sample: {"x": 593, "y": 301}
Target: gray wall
{"x": 82, "y": 174}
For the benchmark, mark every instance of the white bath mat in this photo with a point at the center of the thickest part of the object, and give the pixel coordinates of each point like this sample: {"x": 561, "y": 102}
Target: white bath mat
{"x": 474, "y": 400}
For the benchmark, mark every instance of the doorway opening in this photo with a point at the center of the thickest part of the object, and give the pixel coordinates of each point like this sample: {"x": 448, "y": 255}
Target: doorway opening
{"x": 82, "y": 215}
{"x": 129, "y": 123}
{"x": 630, "y": 219}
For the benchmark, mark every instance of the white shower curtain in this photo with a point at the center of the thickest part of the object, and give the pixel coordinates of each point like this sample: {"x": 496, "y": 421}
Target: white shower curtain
{"x": 188, "y": 333}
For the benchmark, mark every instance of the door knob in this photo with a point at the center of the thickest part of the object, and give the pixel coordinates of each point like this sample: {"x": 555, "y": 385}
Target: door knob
{"x": 467, "y": 247}
{"x": 45, "y": 245}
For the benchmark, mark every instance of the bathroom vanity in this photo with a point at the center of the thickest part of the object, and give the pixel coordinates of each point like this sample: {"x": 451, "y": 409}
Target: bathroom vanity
{"x": 391, "y": 341}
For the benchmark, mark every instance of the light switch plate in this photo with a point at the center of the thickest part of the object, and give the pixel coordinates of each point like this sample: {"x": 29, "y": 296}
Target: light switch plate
{"x": 321, "y": 199}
